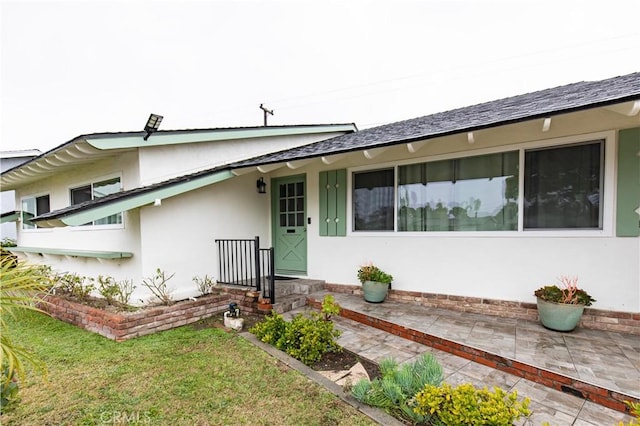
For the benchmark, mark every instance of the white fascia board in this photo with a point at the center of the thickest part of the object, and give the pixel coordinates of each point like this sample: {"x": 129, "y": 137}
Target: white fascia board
{"x": 174, "y": 138}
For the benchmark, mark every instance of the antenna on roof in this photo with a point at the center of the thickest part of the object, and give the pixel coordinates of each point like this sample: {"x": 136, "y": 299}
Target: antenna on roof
{"x": 266, "y": 111}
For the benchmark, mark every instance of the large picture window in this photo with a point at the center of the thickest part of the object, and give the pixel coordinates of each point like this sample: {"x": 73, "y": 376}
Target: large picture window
{"x": 563, "y": 187}
{"x": 96, "y": 190}
{"x": 373, "y": 200}
{"x": 467, "y": 194}
{"x": 32, "y": 207}
{"x": 547, "y": 188}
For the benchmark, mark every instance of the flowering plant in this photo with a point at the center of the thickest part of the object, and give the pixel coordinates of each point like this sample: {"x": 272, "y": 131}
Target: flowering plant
{"x": 568, "y": 294}
{"x": 370, "y": 272}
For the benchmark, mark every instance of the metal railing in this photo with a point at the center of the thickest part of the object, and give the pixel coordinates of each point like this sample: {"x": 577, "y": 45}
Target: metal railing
{"x": 244, "y": 263}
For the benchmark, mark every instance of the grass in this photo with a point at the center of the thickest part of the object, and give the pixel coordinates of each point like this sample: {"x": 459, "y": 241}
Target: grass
{"x": 185, "y": 376}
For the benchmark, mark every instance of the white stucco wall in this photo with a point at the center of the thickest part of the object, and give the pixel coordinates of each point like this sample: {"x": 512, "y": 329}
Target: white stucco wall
{"x": 179, "y": 236}
{"x": 507, "y": 266}
{"x": 123, "y": 237}
{"x": 158, "y": 163}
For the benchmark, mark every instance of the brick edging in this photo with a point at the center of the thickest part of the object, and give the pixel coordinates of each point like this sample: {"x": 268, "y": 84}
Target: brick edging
{"x": 599, "y": 395}
{"x": 595, "y": 319}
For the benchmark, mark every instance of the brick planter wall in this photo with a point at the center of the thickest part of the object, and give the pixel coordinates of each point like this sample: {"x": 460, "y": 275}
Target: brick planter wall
{"x": 622, "y": 322}
{"x": 122, "y": 326}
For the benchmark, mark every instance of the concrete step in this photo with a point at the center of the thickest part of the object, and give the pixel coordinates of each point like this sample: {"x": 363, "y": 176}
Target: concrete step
{"x": 289, "y": 302}
{"x": 297, "y": 286}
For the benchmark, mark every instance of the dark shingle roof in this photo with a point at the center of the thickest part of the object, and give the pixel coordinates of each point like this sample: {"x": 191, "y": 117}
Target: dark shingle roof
{"x": 559, "y": 100}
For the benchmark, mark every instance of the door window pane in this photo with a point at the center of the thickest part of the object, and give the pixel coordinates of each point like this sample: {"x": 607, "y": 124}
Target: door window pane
{"x": 563, "y": 187}
{"x": 468, "y": 194}
{"x": 373, "y": 200}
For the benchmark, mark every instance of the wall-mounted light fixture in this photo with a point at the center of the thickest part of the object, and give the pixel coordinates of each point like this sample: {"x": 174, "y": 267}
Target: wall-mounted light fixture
{"x": 262, "y": 186}
{"x": 152, "y": 124}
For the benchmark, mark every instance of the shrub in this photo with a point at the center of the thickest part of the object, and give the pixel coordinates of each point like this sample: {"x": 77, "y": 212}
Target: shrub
{"x": 108, "y": 288}
{"x": 466, "y": 405}
{"x": 205, "y": 284}
{"x": 394, "y": 391}
{"x": 125, "y": 290}
{"x": 19, "y": 289}
{"x": 271, "y": 329}
{"x": 75, "y": 285}
{"x": 635, "y": 412}
{"x": 329, "y": 307}
{"x": 306, "y": 338}
{"x": 157, "y": 285}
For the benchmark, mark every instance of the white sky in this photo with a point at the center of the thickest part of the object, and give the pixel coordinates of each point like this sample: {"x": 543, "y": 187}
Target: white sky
{"x": 70, "y": 68}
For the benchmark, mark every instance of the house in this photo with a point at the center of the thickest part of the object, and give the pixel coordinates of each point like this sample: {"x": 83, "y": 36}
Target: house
{"x": 8, "y": 160}
{"x": 481, "y": 203}
{"x": 154, "y": 197}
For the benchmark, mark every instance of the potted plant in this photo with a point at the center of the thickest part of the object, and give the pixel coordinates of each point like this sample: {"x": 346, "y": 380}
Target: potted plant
{"x": 560, "y": 308}
{"x": 375, "y": 283}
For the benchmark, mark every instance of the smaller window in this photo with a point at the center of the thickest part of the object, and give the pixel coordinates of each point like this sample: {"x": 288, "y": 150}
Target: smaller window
{"x": 97, "y": 190}
{"x": 32, "y": 207}
{"x": 563, "y": 187}
{"x": 373, "y": 200}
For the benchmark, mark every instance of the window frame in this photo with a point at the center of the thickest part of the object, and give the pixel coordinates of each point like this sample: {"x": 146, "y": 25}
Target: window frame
{"x": 22, "y": 220}
{"x": 608, "y": 138}
{"x": 91, "y": 183}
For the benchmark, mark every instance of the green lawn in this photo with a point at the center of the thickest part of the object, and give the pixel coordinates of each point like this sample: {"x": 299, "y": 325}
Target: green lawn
{"x": 178, "y": 377}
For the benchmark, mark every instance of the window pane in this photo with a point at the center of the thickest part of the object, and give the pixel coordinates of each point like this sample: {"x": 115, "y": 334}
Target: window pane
{"x": 28, "y": 212}
{"x": 292, "y": 205}
{"x": 373, "y": 200}
{"x": 102, "y": 189}
{"x": 106, "y": 187}
{"x": 468, "y": 194}
{"x": 42, "y": 205}
{"x": 283, "y": 220}
{"x": 80, "y": 195}
{"x": 299, "y": 189}
{"x": 563, "y": 187}
{"x": 299, "y": 219}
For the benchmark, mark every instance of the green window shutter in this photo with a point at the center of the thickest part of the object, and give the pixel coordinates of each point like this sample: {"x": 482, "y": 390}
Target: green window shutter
{"x": 627, "y": 220}
{"x": 333, "y": 203}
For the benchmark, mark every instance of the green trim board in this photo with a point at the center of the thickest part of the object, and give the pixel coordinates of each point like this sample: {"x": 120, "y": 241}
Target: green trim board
{"x": 100, "y": 254}
{"x": 333, "y": 203}
{"x": 628, "y": 197}
{"x": 9, "y": 217}
{"x": 174, "y": 138}
{"x": 129, "y": 203}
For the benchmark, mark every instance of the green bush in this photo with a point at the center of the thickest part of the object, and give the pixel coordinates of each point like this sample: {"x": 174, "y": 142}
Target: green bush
{"x": 466, "y": 405}
{"x": 306, "y": 338}
{"x": 108, "y": 288}
{"x": 394, "y": 391}
{"x": 330, "y": 307}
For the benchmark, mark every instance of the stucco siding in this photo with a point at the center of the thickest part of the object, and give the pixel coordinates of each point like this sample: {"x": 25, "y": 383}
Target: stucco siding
{"x": 179, "y": 236}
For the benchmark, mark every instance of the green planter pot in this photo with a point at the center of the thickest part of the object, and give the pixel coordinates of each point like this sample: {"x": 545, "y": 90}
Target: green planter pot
{"x": 559, "y": 316}
{"x": 375, "y": 292}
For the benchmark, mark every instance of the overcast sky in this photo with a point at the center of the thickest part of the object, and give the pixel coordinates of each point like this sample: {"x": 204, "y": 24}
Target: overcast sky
{"x": 71, "y": 68}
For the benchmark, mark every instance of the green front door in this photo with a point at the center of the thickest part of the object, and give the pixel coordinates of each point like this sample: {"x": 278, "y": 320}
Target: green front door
{"x": 289, "y": 204}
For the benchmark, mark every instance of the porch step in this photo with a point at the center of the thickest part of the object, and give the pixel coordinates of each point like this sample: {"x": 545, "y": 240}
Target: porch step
{"x": 289, "y": 302}
{"x": 298, "y": 286}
